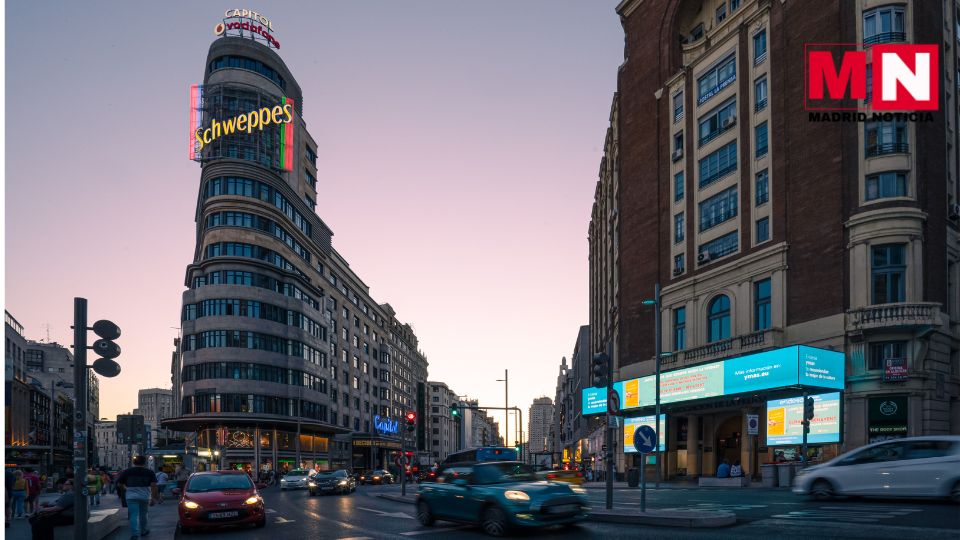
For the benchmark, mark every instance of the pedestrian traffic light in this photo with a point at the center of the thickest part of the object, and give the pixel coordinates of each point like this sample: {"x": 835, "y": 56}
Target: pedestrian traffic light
{"x": 455, "y": 410}
{"x": 411, "y": 421}
{"x": 808, "y": 408}
{"x": 600, "y": 368}
{"x": 106, "y": 348}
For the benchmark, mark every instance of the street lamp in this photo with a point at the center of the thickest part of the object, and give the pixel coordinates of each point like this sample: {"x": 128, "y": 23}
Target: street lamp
{"x": 216, "y": 456}
{"x": 656, "y": 328}
{"x": 506, "y": 405}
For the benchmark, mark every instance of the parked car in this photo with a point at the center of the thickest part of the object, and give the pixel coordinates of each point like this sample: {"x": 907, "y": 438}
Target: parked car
{"x": 911, "y": 467}
{"x": 218, "y": 498}
{"x": 376, "y": 477}
{"x": 570, "y": 477}
{"x": 296, "y": 479}
{"x": 331, "y": 482}
{"x": 499, "y": 495}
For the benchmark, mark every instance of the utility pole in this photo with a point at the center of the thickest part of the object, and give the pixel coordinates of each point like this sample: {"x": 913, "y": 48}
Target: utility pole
{"x": 659, "y": 351}
{"x": 608, "y": 436}
{"x": 79, "y": 417}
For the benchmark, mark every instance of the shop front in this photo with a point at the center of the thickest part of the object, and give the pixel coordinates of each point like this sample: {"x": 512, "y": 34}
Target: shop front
{"x": 374, "y": 452}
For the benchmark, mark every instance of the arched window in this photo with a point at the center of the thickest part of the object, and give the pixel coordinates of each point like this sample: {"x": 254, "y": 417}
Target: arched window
{"x": 718, "y": 319}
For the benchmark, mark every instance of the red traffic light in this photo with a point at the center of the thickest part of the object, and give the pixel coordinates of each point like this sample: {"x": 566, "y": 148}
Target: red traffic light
{"x": 411, "y": 416}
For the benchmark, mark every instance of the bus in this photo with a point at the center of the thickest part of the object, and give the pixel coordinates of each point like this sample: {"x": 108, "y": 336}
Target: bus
{"x": 481, "y": 454}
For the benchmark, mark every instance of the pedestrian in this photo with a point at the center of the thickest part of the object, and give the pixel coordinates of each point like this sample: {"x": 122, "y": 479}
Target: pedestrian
{"x": 180, "y": 475}
{"x": 723, "y": 471}
{"x": 94, "y": 485}
{"x": 736, "y": 471}
{"x": 48, "y": 517}
{"x": 9, "y": 479}
{"x": 18, "y": 494}
{"x": 105, "y": 479}
{"x": 33, "y": 489}
{"x": 161, "y": 484}
{"x": 138, "y": 487}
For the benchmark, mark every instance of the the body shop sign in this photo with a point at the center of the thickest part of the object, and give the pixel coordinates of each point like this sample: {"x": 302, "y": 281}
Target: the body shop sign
{"x": 887, "y": 418}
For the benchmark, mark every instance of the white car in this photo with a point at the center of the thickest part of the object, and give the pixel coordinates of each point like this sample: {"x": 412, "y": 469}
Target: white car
{"x": 912, "y": 467}
{"x": 296, "y": 479}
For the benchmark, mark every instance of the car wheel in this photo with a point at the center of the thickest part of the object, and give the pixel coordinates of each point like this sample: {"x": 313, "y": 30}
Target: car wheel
{"x": 822, "y": 490}
{"x": 494, "y": 521}
{"x": 955, "y": 492}
{"x": 424, "y": 515}
{"x": 262, "y": 523}
{"x": 184, "y": 530}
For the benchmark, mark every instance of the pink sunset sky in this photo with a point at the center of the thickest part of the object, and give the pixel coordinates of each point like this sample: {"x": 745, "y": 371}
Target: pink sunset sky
{"x": 459, "y": 145}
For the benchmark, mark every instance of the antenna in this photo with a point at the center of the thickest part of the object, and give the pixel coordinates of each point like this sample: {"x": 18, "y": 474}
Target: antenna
{"x": 47, "y": 327}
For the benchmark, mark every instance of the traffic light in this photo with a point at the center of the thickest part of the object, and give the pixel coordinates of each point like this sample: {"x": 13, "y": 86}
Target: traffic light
{"x": 808, "y": 408}
{"x": 455, "y": 410}
{"x": 411, "y": 421}
{"x": 106, "y": 348}
{"x": 600, "y": 368}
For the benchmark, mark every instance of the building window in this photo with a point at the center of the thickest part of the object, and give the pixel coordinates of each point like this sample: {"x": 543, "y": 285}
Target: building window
{"x": 888, "y": 273}
{"x": 696, "y": 33}
{"x": 760, "y": 94}
{"x": 678, "y": 228}
{"x": 677, "y": 107}
{"x": 762, "y": 188}
{"x": 761, "y": 138}
{"x": 763, "y": 230}
{"x": 718, "y": 319}
{"x": 886, "y": 138}
{"x": 678, "y": 264}
{"x": 869, "y": 96}
{"x": 734, "y": 5}
{"x": 883, "y": 25}
{"x": 888, "y": 184}
{"x": 759, "y": 47}
{"x": 717, "y": 121}
{"x": 678, "y": 187}
{"x": 679, "y": 329}
{"x": 715, "y": 80}
{"x": 718, "y": 164}
{"x": 720, "y": 247}
{"x": 719, "y": 208}
{"x": 886, "y": 350}
{"x": 677, "y": 146}
{"x": 761, "y": 305}
{"x": 721, "y": 13}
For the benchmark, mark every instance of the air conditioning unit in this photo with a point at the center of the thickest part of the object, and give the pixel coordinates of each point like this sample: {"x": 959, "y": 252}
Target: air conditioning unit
{"x": 703, "y": 257}
{"x": 677, "y": 271}
{"x": 954, "y": 211}
{"x": 729, "y": 121}
{"x": 677, "y": 154}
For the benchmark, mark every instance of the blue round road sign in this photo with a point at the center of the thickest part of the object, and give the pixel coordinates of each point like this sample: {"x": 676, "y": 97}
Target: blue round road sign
{"x": 645, "y": 439}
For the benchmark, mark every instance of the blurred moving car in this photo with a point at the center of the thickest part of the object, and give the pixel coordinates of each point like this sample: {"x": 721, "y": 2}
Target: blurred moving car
{"x": 911, "y": 467}
{"x": 376, "y": 477}
{"x": 218, "y": 498}
{"x": 499, "y": 495}
{"x": 331, "y": 482}
{"x": 570, "y": 477}
{"x": 296, "y": 479}
{"x": 428, "y": 474}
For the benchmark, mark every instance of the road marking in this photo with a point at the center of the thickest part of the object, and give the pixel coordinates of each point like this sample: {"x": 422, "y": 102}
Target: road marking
{"x": 853, "y": 514}
{"x": 271, "y": 511}
{"x": 281, "y": 519}
{"x": 357, "y": 538}
{"x": 386, "y": 514}
{"x": 436, "y": 530}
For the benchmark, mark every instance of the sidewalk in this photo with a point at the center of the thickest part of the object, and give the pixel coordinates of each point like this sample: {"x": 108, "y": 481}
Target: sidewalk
{"x": 104, "y": 516}
{"x": 672, "y": 484}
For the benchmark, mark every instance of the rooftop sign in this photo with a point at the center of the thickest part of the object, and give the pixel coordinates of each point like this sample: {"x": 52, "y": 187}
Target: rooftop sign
{"x": 237, "y": 22}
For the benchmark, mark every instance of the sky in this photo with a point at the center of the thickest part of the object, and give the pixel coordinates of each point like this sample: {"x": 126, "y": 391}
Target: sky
{"x": 459, "y": 145}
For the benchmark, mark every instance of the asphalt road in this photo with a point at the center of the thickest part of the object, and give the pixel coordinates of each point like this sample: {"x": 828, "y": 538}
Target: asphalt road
{"x": 761, "y": 513}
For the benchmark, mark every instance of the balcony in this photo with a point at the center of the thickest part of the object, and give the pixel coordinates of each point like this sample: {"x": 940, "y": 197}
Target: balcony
{"x": 900, "y": 315}
{"x": 885, "y": 37}
{"x": 883, "y": 149}
{"x": 735, "y": 346}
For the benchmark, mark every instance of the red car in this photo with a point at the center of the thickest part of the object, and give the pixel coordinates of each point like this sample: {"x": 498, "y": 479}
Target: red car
{"x": 218, "y": 498}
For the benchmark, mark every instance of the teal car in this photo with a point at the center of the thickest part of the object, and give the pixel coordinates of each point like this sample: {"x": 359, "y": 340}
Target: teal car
{"x": 498, "y": 496}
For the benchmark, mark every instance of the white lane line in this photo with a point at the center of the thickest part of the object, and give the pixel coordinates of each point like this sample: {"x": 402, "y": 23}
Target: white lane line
{"x": 271, "y": 511}
{"x": 435, "y": 530}
{"x": 357, "y": 538}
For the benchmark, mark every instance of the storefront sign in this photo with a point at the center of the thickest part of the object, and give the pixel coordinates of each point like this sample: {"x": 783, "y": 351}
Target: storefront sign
{"x": 385, "y": 425}
{"x": 375, "y": 443}
{"x": 630, "y": 426}
{"x": 785, "y": 420}
{"x": 887, "y": 417}
{"x": 259, "y": 28}
{"x": 788, "y": 366}
{"x": 895, "y": 369}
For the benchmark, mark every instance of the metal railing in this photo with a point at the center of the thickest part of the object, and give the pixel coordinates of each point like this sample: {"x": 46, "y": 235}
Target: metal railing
{"x": 761, "y": 339}
{"x": 706, "y": 181}
{"x": 885, "y": 37}
{"x": 887, "y": 148}
{"x": 761, "y": 105}
{"x": 893, "y": 315}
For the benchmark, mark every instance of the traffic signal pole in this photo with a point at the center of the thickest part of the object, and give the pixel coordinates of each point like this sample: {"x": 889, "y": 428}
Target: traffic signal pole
{"x": 608, "y": 456}
{"x": 80, "y": 418}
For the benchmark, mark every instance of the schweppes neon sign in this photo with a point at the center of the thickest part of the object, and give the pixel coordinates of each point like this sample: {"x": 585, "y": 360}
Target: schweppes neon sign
{"x": 259, "y": 119}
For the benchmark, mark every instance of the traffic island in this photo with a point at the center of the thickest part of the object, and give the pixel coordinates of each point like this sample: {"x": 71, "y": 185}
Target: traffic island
{"x": 410, "y": 498}
{"x": 664, "y": 518}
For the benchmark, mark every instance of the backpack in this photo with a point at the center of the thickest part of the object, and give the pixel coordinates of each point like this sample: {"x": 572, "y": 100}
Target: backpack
{"x": 19, "y": 484}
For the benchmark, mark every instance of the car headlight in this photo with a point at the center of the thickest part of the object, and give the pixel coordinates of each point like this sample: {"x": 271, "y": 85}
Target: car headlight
{"x": 516, "y": 496}
{"x": 579, "y": 490}
{"x": 343, "y": 482}
{"x": 191, "y": 505}
{"x": 252, "y": 500}
{"x": 376, "y": 477}
{"x": 283, "y": 481}
{"x": 312, "y": 484}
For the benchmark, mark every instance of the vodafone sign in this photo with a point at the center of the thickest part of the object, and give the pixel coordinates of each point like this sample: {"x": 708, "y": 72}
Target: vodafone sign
{"x": 253, "y": 25}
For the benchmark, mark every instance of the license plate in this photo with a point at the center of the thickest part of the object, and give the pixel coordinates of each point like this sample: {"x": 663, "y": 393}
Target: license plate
{"x": 328, "y": 488}
{"x": 222, "y": 515}
{"x": 563, "y": 508}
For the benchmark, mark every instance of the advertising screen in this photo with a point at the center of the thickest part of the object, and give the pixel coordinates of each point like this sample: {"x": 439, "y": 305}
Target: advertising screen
{"x": 594, "y": 400}
{"x": 630, "y": 426}
{"x": 785, "y": 420}
{"x": 821, "y": 368}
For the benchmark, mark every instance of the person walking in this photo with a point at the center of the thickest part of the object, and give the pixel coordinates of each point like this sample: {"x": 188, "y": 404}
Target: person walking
{"x": 18, "y": 495}
{"x": 161, "y": 484}
{"x": 138, "y": 487}
{"x": 180, "y": 475}
{"x": 94, "y": 485}
{"x": 33, "y": 489}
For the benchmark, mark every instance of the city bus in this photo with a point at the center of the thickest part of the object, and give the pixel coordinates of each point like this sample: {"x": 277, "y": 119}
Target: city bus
{"x": 481, "y": 454}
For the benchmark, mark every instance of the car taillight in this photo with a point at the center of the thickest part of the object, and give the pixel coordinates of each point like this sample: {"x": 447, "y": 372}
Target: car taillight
{"x": 551, "y": 476}
{"x": 579, "y": 475}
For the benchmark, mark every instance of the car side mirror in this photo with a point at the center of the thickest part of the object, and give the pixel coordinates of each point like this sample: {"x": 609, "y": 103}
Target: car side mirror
{"x": 175, "y": 491}
{"x": 461, "y": 482}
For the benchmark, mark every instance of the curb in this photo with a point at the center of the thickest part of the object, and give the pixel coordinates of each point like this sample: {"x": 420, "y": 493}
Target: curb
{"x": 397, "y": 498}
{"x": 667, "y": 518}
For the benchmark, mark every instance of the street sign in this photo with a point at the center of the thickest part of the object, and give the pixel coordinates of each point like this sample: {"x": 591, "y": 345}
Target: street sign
{"x": 402, "y": 461}
{"x": 753, "y": 424}
{"x": 645, "y": 439}
{"x": 613, "y": 402}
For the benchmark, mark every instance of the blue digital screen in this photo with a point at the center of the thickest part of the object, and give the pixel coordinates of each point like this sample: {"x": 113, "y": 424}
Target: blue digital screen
{"x": 821, "y": 368}
{"x": 785, "y": 420}
{"x": 761, "y": 371}
{"x": 594, "y": 400}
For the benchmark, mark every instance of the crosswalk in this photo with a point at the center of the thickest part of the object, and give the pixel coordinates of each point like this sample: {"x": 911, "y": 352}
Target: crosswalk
{"x": 849, "y": 514}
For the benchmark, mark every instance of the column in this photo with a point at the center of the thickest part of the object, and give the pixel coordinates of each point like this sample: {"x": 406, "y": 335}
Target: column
{"x": 671, "y": 453}
{"x": 256, "y": 452}
{"x": 708, "y": 463}
{"x": 693, "y": 446}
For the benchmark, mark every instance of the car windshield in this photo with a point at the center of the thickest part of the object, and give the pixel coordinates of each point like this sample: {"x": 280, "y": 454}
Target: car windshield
{"x": 501, "y": 473}
{"x": 331, "y": 474}
{"x": 298, "y": 472}
{"x": 218, "y": 482}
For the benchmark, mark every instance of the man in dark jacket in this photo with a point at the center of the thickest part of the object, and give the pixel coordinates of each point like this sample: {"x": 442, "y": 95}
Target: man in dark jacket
{"x": 139, "y": 488}
{"x": 48, "y": 517}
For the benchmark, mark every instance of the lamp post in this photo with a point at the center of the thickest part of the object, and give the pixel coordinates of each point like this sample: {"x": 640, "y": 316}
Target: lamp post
{"x": 506, "y": 406}
{"x": 656, "y": 415}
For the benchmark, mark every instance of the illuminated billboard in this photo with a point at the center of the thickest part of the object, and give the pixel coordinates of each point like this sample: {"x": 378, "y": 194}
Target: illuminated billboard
{"x": 785, "y": 420}
{"x": 630, "y": 426}
{"x": 787, "y": 366}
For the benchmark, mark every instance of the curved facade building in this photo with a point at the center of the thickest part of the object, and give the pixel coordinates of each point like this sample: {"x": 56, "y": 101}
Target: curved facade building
{"x": 285, "y": 359}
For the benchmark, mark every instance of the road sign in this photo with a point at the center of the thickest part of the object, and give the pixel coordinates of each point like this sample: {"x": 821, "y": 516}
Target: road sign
{"x": 402, "y": 461}
{"x": 613, "y": 402}
{"x": 645, "y": 439}
{"x": 753, "y": 424}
